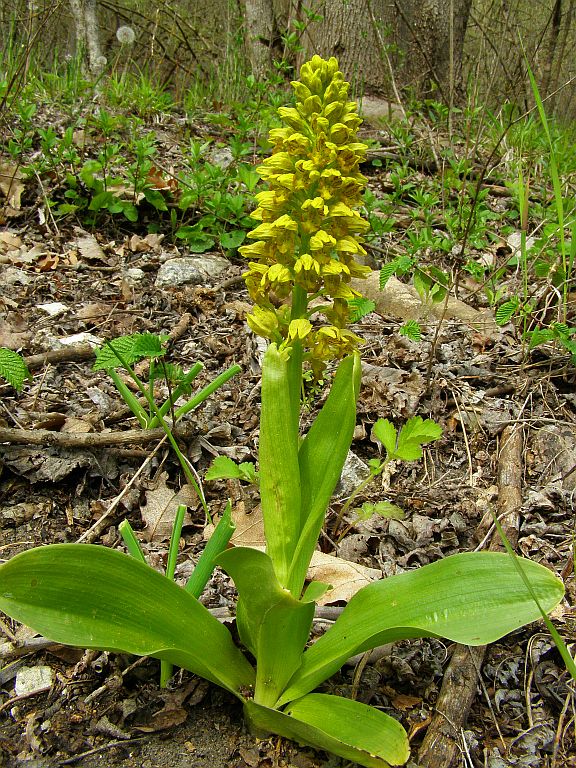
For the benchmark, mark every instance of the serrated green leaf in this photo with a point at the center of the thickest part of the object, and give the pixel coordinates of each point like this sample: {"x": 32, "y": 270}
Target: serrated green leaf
{"x": 132, "y": 348}
{"x": 13, "y": 368}
{"x": 419, "y": 430}
{"x": 415, "y": 433}
{"x": 506, "y": 311}
{"x": 412, "y": 330}
{"x": 386, "y": 273}
{"x": 386, "y": 433}
{"x": 360, "y": 307}
{"x": 224, "y": 468}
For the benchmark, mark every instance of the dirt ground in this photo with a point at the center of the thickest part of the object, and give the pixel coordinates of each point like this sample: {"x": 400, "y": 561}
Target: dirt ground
{"x": 100, "y": 709}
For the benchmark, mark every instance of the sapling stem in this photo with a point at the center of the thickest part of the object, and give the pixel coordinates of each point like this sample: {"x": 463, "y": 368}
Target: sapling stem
{"x": 166, "y": 668}
{"x": 216, "y": 544}
{"x": 131, "y": 542}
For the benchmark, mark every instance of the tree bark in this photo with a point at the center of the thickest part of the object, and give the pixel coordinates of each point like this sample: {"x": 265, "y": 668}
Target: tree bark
{"x": 414, "y": 45}
{"x": 88, "y": 34}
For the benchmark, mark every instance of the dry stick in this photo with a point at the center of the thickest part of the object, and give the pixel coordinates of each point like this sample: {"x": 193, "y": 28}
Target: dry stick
{"x": 47, "y": 438}
{"x": 440, "y": 747}
{"x": 64, "y": 355}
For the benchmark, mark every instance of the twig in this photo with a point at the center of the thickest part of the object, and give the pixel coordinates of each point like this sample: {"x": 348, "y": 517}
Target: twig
{"x": 440, "y": 747}
{"x": 64, "y": 355}
{"x": 47, "y": 438}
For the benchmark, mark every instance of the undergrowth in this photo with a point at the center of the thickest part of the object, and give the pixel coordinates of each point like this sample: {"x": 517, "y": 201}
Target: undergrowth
{"x": 469, "y": 203}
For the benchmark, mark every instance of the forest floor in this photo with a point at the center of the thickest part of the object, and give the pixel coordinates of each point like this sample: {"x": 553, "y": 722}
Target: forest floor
{"x": 508, "y": 418}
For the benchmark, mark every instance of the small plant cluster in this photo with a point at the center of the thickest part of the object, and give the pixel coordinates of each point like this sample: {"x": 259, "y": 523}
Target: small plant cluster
{"x": 96, "y": 169}
{"x": 92, "y": 596}
{"x": 453, "y": 226}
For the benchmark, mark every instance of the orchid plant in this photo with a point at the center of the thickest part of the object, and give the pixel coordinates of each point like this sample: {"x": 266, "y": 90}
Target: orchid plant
{"x": 302, "y": 260}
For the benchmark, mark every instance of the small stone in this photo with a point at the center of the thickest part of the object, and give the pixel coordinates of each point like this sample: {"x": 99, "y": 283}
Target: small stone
{"x": 33, "y": 679}
{"x": 354, "y": 472}
{"x": 193, "y": 269}
{"x": 133, "y": 276}
{"x": 53, "y": 308}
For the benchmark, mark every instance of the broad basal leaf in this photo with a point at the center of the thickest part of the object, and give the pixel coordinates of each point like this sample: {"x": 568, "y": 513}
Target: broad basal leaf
{"x": 94, "y": 597}
{"x": 272, "y": 623}
{"x": 343, "y": 727}
{"x": 470, "y": 598}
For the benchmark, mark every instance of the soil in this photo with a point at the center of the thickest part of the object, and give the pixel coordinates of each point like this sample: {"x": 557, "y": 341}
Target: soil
{"x": 104, "y": 709}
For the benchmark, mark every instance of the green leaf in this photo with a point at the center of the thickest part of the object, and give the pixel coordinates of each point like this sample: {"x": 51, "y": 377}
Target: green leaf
{"x": 506, "y": 311}
{"x": 13, "y": 368}
{"x": 415, "y": 433}
{"x": 346, "y": 728}
{"x": 360, "y": 307}
{"x": 470, "y": 598}
{"x": 386, "y": 432}
{"x": 412, "y": 330}
{"x": 384, "y": 508}
{"x": 233, "y": 239}
{"x": 386, "y": 273}
{"x": 321, "y": 457}
{"x": 95, "y": 597}
{"x": 272, "y": 624}
{"x": 279, "y": 471}
{"x": 223, "y": 468}
{"x": 156, "y": 199}
{"x": 132, "y": 348}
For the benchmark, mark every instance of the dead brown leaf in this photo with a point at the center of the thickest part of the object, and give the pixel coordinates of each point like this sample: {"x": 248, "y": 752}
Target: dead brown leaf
{"x": 345, "y": 578}
{"x": 11, "y": 186}
{"x": 161, "y": 506}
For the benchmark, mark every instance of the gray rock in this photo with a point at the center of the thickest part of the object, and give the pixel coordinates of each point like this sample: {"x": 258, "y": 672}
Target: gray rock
{"x": 191, "y": 269}
{"x": 354, "y": 472}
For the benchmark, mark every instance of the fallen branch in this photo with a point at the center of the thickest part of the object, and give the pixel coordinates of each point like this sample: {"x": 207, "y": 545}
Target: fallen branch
{"x": 46, "y": 438}
{"x": 64, "y": 355}
{"x": 441, "y": 745}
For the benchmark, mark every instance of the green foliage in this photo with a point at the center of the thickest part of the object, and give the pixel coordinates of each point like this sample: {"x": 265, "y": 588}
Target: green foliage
{"x": 360, "y": 307}
{"x": 411, "y": 329}
{"x": 224, "y": 468}
{"x": 13, "y": 368}
{"x": 406, "y": 445}
{"x": 128, "y": 349}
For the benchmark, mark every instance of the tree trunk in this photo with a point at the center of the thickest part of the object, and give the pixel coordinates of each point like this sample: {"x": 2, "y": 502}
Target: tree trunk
{"x": 87, "y": 34}
{"x": 381, "y": 45}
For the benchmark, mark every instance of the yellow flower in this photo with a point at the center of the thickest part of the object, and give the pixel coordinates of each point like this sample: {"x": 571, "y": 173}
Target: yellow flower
{"x": 310, "y": 232}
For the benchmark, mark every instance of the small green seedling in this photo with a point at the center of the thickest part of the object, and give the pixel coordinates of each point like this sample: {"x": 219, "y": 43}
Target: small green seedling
{"x": 13, "y": 368}
{"x": 224, "y": 468}
{"x": 123, "y": 352}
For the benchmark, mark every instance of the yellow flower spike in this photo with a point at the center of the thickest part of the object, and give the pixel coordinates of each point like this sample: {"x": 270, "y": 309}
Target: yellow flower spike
{"x": 310, "y": 233}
